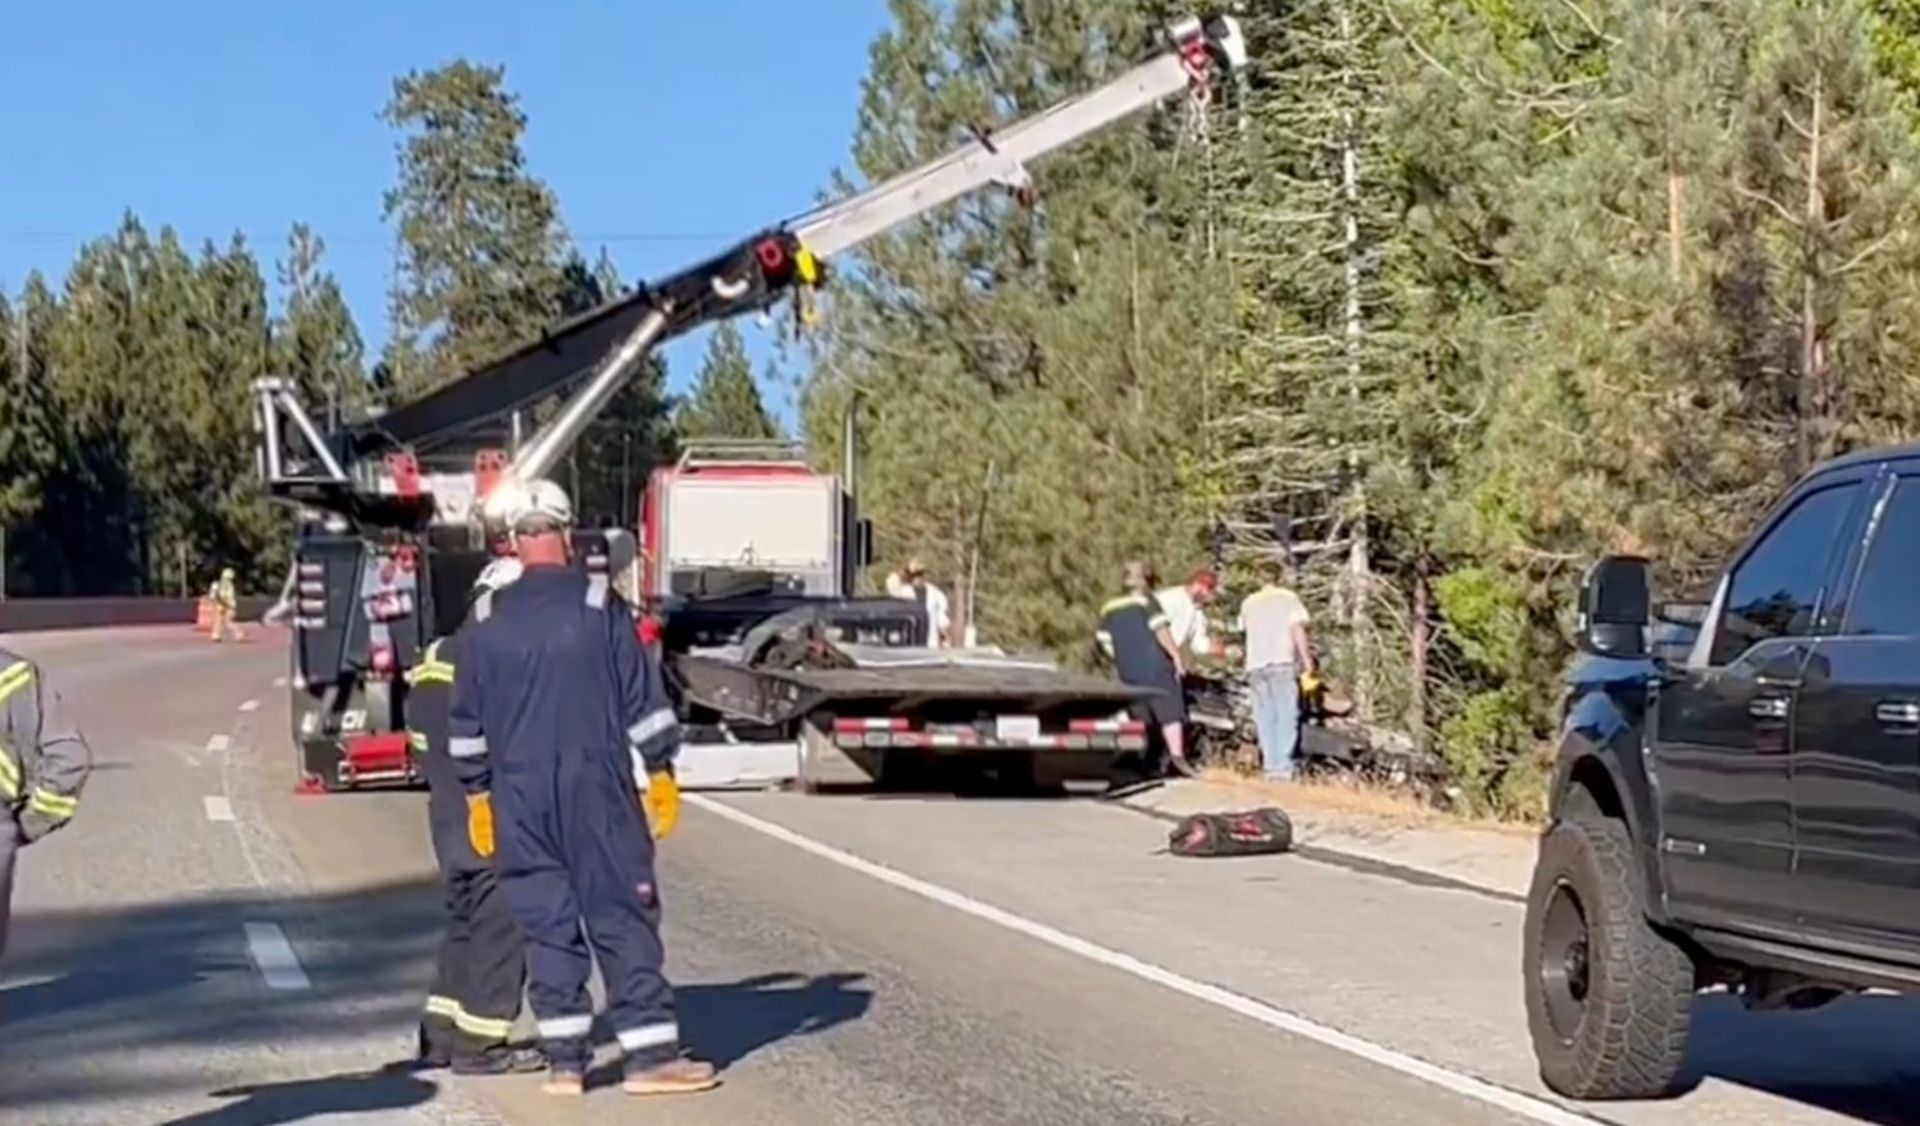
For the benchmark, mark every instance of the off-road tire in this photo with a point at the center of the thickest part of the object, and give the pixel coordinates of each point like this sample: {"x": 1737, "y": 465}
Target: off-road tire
{"x": 1629, "y": 1038}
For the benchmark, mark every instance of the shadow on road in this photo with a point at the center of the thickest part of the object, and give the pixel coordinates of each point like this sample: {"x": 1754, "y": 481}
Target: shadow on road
{"x": 162, "y": 1003}
{"x": 728, "y": 1023}
{"x": 1859, "y": 1056}
{"x": 271, "y": 1104}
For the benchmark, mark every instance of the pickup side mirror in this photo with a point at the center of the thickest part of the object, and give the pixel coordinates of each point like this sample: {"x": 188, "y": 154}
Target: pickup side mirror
{"x": 1616, "y": 607}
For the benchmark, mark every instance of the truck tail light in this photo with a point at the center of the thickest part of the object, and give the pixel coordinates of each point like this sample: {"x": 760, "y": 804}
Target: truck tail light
{"x": 858, "y": 725}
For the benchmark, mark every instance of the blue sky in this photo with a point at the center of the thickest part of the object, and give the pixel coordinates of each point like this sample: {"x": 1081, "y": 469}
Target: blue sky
{"x": 667, "y": 127}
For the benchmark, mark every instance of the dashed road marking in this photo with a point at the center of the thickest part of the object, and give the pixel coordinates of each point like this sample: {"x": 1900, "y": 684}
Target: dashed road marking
{"x": 279, "y": 682}
{"x": 250, "y": 705}
{"x": 1530, "y": 1107}
{"x": 218, "y": 807}
{"x": 219, "y": 743}
{"x": 274, "y": 957}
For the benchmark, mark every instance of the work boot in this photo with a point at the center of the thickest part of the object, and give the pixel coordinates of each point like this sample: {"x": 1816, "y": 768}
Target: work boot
{"x": 501, "y": 1060}
{"x": 428, "y": 1054}
{"x": 564, "y": 1081}
{"x": 677, "y": 1076}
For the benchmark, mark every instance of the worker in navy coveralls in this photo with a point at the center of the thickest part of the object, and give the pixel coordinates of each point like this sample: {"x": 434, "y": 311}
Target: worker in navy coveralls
{"x": 565, "y": 739}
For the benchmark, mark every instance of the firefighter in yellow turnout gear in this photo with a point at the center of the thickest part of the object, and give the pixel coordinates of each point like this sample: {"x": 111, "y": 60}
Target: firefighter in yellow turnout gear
{"x": 44, "y": 763}
{"x": 226, "y": 607}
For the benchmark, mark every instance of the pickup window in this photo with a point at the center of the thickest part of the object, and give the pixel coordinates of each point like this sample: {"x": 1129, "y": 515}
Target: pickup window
{"x": 1776, "y": 589}
{"x": 1886, "y": 601}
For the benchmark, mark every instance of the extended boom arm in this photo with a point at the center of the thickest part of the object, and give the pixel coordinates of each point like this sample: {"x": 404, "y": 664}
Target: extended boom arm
{"x": 614, "y": 340}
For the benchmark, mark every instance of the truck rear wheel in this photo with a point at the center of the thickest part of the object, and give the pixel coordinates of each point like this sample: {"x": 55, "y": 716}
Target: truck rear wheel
{"x": 1609, "y": 998}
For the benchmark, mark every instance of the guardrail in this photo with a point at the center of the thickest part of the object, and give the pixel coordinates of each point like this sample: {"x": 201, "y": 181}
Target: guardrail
{"x": 18, "y": 615}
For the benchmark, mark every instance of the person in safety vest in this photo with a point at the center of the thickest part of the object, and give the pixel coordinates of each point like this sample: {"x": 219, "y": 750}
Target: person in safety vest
{"x": 44, "y": 763}
{"x": 1136, "y": 636}
{"x": 226, "y": 608}
{"x": 564, "y": 738}
{"x": 482, "y": 964}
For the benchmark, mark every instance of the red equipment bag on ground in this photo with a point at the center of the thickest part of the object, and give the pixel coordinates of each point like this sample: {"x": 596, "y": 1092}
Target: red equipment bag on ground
{"x": 1252, "y": 833}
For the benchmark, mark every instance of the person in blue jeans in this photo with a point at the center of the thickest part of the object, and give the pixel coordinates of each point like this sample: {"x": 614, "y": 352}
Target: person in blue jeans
{"x": 1279, "y": 653}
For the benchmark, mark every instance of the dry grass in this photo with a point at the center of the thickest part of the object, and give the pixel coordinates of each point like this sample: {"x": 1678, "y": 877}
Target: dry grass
{"x": 1385, "y": 807}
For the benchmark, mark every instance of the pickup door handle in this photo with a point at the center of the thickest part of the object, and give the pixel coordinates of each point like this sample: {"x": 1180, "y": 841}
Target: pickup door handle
{"x": 1767, "y": 707}
{"x": 1898, "y": 713}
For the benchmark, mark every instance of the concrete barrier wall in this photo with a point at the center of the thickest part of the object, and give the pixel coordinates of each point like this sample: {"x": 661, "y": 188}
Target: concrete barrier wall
{"x": 22, "y": 614}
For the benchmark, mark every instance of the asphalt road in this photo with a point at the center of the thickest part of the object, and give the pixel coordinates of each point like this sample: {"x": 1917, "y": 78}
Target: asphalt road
{"x": 203, "y": 946}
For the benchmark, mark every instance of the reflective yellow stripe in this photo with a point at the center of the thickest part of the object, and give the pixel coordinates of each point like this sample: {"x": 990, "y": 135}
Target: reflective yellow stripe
{"x": 482, "y": 1026}
{"x": 490, "y": 1028}
{"x": 17, "y": 676}
{"x": 431, "y": 672}
{"x": 417, "y": 741}
{"x": 9, "y": 775}
{"x": 52, "y": 804}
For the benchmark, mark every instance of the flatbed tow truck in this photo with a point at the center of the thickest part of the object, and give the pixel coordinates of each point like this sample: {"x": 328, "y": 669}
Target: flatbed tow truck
{"x": 395, "y": 525}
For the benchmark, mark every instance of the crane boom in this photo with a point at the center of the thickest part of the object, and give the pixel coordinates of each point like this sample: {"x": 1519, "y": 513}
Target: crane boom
{"x": 599, "y": 351}
{"x": 1197, "y": 53}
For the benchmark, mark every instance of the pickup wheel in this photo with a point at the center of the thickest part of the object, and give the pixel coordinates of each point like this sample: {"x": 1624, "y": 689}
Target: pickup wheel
{"x": 1609, "y": 998}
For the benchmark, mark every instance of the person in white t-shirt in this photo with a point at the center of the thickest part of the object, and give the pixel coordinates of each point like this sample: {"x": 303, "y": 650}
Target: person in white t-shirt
{"x": 1273, "y": 621}
{"x": 910, "y": 583}
{"x": 1186, "y": 611}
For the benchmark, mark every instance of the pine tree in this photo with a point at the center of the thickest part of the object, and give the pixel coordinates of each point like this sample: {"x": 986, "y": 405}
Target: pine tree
{"x": 1029, "y": 380}
{"x": 1828, "y": 158}
{"x": 726, "y": 401}
{"x": 36, "y": 464}
{"x": 315, "y": 340}
{"x": 26, "y": 448}
{"x": 235, "y": 526}
{"x": 482, "y": 250}
{"x": 91, "y": 541}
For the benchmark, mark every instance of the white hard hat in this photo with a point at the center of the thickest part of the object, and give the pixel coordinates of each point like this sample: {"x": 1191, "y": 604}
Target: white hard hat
{"x": 515, "y": 502}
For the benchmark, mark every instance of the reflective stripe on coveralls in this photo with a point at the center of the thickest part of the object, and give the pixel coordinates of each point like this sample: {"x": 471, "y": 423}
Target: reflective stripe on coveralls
{"x": 43, "y": 760}
{"x": 559, "y": 714}
{"x": 16, "y": 676}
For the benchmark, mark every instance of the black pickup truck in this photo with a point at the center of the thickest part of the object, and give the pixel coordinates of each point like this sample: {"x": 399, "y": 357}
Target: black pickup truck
{"x": 1736, "y": 801}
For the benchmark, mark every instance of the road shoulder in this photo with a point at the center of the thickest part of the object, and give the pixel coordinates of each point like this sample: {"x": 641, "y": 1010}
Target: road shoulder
{"x": 1330, "y": 824}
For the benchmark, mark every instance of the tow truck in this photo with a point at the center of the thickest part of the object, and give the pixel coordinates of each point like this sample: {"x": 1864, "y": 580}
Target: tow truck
{"x": 394, "y": 523}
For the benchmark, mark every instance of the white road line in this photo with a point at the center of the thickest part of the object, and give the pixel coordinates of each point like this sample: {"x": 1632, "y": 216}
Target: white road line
{"x": 250, "y": 705}
{"x": 274, "y": 956}
{"x": 218, "y": 807}
{"x": 218, "y": 743}
{"x": 279, "y": 682}
{"x": 1530, "y": 1107}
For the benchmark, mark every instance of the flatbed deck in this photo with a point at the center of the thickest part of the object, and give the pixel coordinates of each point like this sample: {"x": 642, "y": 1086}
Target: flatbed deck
{"x": 780, "y": 695}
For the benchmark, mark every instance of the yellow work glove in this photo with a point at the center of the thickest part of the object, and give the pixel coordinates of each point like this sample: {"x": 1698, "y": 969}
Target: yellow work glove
{"x": 1309, "y": 684}
{"x": 662, "y": 803}
{"x": 480, "y": 823}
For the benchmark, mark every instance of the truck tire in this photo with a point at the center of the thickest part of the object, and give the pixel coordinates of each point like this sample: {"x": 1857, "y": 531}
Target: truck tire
{"x": 1609, "y": 998}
